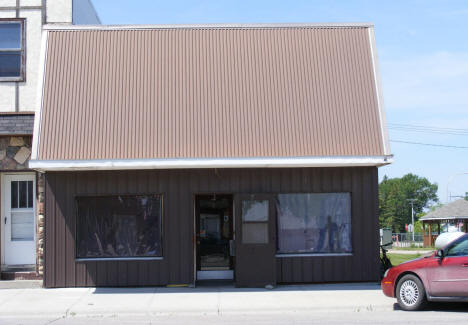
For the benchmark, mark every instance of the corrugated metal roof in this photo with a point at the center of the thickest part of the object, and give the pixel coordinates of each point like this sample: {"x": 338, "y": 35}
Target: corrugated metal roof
{"x": 454, "y": 210}
{"x": 210, "y": 93}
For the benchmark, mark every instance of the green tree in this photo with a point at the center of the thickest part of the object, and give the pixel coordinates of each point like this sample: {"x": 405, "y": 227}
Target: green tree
{"x": 394, "y": 193}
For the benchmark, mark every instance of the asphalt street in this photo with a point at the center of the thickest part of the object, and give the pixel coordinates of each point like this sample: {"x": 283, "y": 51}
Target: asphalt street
{"x": 361, "y": 303}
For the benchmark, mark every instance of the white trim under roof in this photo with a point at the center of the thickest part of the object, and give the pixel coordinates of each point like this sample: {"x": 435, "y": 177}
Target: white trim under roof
{"x": 379, "y": 93}
{"x": 212, "y": 26}
{"x": 258, "y": 162}
{"x": 39, "y": 95}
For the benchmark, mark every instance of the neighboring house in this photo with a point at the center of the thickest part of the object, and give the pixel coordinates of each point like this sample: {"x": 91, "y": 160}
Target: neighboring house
{"x": 21, "y": 24}
{"x": 174, "y": 154}
{"x": 453, "y": 214}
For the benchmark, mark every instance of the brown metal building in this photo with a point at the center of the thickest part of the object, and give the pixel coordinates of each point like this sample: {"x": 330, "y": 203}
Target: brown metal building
{"x": 174, "y": 154}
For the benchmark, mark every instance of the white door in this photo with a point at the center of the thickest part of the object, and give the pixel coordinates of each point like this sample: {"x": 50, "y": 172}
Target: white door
{"x": 19, "y": 219}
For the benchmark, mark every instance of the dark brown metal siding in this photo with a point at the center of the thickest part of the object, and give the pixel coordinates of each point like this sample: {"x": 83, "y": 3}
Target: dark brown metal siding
{"x": 178, "y": 188}
{"x": 209, "y": 93}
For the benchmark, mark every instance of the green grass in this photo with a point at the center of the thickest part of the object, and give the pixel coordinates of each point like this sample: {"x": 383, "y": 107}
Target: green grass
{"x": 400, "y": 258}
{"x": 413, "y": 248}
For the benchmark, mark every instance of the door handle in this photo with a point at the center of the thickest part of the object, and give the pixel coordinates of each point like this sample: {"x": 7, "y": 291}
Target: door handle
{"x": 5, "y": 219}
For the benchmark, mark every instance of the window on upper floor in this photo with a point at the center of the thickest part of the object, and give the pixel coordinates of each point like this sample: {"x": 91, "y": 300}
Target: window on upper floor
{"x": 12, "y": 49}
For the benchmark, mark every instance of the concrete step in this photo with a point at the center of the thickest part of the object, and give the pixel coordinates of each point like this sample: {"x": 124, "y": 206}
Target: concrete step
{"x": 20, "y": 275}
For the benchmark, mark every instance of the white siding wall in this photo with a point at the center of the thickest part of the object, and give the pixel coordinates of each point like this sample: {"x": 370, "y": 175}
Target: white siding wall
{"x": 31, "y": 2}
{"x": 59, "y": 11}
{"x": 28, "y": 89}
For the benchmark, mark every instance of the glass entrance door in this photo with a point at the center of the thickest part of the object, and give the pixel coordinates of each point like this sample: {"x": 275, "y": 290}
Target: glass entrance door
{"x": 214, "y": 237}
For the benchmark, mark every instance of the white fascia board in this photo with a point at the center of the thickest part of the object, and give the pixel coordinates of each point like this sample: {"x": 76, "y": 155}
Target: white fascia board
{"x": 39, "y": 95}
{"x": 379, "y": 94}
{"x": 187, "y": 163}
{"x": 208, "y": 26}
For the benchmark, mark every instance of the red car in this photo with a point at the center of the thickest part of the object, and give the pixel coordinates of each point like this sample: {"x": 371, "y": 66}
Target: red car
{"x": 442, "y": 276}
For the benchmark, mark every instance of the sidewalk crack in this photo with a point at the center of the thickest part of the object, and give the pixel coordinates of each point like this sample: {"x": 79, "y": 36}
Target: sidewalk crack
{"x": 76, "y": 302}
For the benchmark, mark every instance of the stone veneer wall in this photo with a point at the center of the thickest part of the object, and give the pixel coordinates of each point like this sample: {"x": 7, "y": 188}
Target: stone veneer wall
{"x": 15, "y": 152}
{"x": 40, "y": 225}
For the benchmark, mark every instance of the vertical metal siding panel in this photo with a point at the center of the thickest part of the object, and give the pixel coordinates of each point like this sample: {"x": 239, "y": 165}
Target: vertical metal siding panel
{"x": 101, "y": 268}
{"x": 340, "y": 88}
{"x": 367, "y": 92}
{"x": 111, "y": 181}
{"x": 322, "y": 139}
{"x": 91, "y": 267}
{"x": 59, "y": 234}
{"x": 376, "y": 141}
{"x": 347, "y": 102}
{"x": 375, "y": 251}
{"x": 164, "y": 187}
{"x": 80, "y": 267}
{"x": 358, "y": 223}
{"x": 186, "y": 228}
{"x": 70, "y": 220}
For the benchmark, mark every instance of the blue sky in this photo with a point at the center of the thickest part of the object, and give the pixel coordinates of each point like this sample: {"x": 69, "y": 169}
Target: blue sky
{"x": 423, "y": 54}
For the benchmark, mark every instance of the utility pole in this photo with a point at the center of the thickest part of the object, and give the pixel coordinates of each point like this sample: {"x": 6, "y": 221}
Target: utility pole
{"x": 412, "y": 214}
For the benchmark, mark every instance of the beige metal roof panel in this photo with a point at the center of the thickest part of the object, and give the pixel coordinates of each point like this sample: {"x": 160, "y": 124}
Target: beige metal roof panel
{"x": 209, "y": 93}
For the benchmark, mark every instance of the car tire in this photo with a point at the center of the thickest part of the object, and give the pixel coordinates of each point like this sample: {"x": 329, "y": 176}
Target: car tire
{"x": 410, "y": 293}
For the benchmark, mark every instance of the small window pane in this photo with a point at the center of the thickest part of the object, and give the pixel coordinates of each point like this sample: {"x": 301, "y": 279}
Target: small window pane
{"x": 254, "y": 210}
{"x": 22, "y": 226}
{"x": 314, "y": 223}
{"x": 119, "y": 226}
{"x": 10, "y": 64}
{"x": 255, "y": 233}
{"x": 14, "y": 194}
{"x": 23, "y": 194}
{"x": 10, "y": 36}
{"x": 30, "y": 194}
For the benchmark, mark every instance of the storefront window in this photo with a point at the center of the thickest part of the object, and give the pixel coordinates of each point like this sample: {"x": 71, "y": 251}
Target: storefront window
{"x": 119, "y": 226}
{"x": 314, "y": 223}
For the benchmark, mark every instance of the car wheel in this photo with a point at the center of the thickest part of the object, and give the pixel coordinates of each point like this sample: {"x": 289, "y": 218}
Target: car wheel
{"x": 410, "y": 293}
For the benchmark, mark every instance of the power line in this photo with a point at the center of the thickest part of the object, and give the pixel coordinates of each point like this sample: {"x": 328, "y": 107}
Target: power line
{"x": 426, "y": 127}
{"x": 429, "y": 144}
{"x": 427, "y": 131}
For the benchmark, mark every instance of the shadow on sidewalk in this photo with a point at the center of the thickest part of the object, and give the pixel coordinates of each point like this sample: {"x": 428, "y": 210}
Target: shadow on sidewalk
{"x": 222, "y": 286}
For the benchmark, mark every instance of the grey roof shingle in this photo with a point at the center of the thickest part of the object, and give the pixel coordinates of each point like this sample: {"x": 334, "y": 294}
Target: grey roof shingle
{"x": 12, "y": 124}
{"x": 454, "y": 210}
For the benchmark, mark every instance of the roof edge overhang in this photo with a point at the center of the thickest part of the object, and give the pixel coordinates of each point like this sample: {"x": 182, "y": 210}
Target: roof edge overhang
{"x": 58, "y": 27}
{"x": 444, "y": 218}
{"x": 197, "y": 163}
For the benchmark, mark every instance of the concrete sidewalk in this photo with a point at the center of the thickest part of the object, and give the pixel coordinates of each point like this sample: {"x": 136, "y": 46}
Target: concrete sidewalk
{"x": 111, "y": 302}
{"x": 358, "y": 303}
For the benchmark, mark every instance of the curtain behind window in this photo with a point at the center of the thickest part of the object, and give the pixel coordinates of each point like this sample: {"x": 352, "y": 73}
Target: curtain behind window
{"x": 314, "y": 223}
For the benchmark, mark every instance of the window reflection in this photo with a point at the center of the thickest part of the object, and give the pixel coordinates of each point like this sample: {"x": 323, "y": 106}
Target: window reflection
{"x": 314, "y": 223}
{"x": 119, "y": 226}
